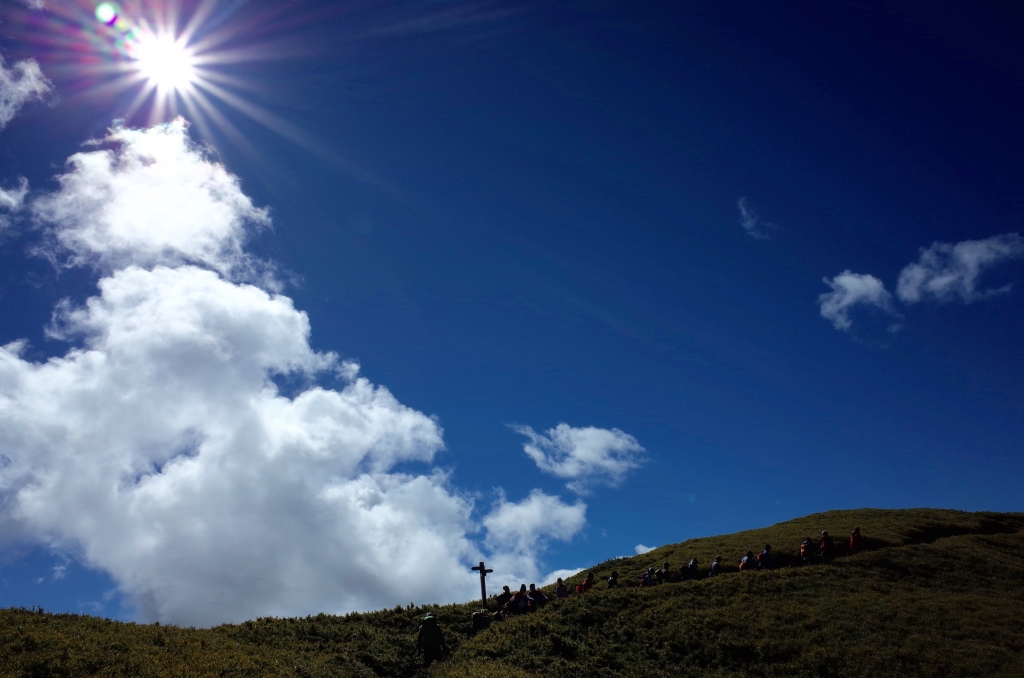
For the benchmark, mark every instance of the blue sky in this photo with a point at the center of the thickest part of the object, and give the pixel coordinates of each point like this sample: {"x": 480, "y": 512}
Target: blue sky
{"x": 598, "y": 214}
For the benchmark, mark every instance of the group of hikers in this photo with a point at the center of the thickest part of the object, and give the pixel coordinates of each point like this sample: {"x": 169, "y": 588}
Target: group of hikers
{"x": 526, "y": 600}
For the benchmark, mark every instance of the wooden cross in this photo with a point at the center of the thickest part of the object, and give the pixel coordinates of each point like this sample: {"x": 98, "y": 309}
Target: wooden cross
{"x": 483, "y": 586}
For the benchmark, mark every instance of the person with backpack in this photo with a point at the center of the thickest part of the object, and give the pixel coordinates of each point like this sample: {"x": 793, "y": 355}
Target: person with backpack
{"x": 690, "y": 571}
{"x": 561, "y": 590}
{"x": 716, "y": 567}
{"x": 586, "y": 584}
{"x": 856, "y": 543}
{"x": 825, "y": 547}
{"x": 503, "y": 597}
{"x": 664, "y": 574}
{"x": 520, "y": 602}
{"x": 537, "y": 596}
{"x": 647, "y": 578}
{"x": 807, "y": 551}
{"x": 430, "y": 640}
{"x": 613, "y": 581}
{"x": 748, "y": 562}
{"x": 765, "y": 561}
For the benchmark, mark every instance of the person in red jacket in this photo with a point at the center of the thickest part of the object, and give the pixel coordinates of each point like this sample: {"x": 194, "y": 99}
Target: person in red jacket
{"x": 826, "y": 547}
{"x": 856, "y": 543}
{"x": 586, "y": 584}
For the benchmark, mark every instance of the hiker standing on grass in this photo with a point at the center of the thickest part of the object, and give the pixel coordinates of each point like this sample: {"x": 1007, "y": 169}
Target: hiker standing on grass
{"x": 586, "y": 584}
{"x": 561, "y": 590}
{"x": 647, "y": 578}
{"x": 716, "y": 567}
{"x": 664, "y": 574}
{"x": 856, "y": 543}
{"x": 747, "y": 562}
{"x": 430, "y": 640}
{"x": 691, "y": 571}
{"x": 825, "y": 547}
{"x": 765, "y": 561}
{"x": 806, "y": 551}
{"x": 613, "y": 581}
{"x": 503, "y": 597}
{"x": 537, "y": 596}
{"x": 520, "y": 602}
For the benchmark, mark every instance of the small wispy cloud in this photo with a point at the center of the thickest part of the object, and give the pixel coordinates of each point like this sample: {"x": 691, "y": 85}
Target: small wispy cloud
{"x": 20, "y": 84}
{"x": 947, "y": 272}
{"x": 641, "y": 549}
{"x": 585, "y": 456}
{"x": 752, "y": 223}
{"x": 851, "y": 290}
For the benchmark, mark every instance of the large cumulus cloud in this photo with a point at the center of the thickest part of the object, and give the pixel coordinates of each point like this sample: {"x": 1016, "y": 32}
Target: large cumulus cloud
{"x": 160, "y": 449}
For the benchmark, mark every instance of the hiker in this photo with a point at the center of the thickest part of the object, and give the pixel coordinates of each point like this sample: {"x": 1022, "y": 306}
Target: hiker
{"x": 716, "y": 567}
{"x": 537, "y": 596}
{"x": 430, "y": 640}
{"x": 561, "y": 590}
{"x": 521, "y": 602}
{"x": 856, "y": 543}
{"x": 690, "y": 571}
{"x": 825, "y": 547}
{"x": 807, "y": 551}
{"x": 586, "y": 584}
{"x": 481, "y": 621}
{"x": 647, "y": 578}
{"x": 613, "y": 581}
{"x": 748, "y": 562}
{"x": 503, "y": 597}
{"x": 765, "y": 560}
{"x": 664, "y": 574}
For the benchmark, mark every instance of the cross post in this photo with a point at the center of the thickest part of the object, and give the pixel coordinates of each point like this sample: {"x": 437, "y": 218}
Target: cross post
{"x": 483, "y": 586}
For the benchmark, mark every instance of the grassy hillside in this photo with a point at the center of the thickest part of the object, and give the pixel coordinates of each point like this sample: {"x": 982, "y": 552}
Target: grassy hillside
{"x": 939, "y": 593}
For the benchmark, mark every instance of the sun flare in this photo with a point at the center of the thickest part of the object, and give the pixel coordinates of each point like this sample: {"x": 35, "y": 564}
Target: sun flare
{"x": 167, "y": 63}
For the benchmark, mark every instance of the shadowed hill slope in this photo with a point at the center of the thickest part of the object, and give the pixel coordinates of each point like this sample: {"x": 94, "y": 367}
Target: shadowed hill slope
{"x": 939, "y": 593}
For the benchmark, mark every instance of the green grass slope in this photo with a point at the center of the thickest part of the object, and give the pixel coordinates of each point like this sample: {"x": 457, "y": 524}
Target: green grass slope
{"x": 939, "y": 593}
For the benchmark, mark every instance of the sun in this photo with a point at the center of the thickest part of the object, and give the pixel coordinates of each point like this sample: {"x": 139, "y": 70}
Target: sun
{"x": 166, "y": 63}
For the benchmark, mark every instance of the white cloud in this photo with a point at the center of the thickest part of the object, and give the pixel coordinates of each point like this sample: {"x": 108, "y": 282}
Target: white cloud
{"x": 11, "y": 200}
{"x": 851, "y": 290}
{"x": 159, "y": 448}
{"x": 122, "y": 206}
{"x": 751, "y": 223}
{"x": 21, "y": 83}
{"x": 947, "y": 272}
{"x": 641, "y": 549}
{"x": 518, "y": 532}
{"x": 586, "y": 456}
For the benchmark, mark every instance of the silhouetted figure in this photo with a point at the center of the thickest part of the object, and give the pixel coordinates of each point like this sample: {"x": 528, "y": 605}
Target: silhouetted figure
{"x": 690, "y": 571}
{"x": 561, "y": 590}
{"x": 748, "y": 562}
{"x": 765, "y": 560}
{"x": 664, "y": 574}
{"x": 807, "y": 551}
{"x": 647, "y": 578}
{"x": 826, "y": 548}
{"x": 430, "y": 640}
{"x": 520, "y": 602}
{"x": 856, "y": 543}
{"x": 613, "y": 581}
{"x": 537, "y": 596}
{"x": 503, "y": 597}
{"x": 716, "y": 567}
